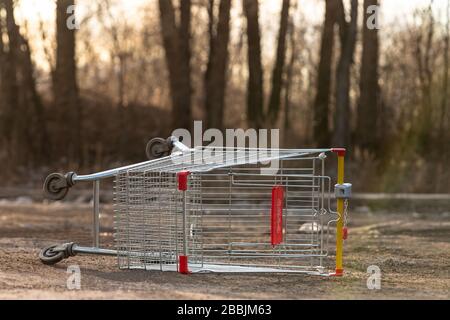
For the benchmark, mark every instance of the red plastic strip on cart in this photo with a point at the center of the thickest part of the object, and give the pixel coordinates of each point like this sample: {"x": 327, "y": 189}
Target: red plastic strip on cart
{"x": 276, "y": 232}
{"x": 183, "y": 265}
{"x": 183, "y": 180}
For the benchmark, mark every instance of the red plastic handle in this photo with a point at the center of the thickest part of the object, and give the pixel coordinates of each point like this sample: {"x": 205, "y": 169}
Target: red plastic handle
{"x": 340, "y": 151}
{"x": 183, "y": 180}
{"x": 183, "y": 266}
{"x": 276, "y": 230}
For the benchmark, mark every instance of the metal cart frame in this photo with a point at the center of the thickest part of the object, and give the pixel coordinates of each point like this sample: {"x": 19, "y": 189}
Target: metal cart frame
{"x": 57, "y": 185}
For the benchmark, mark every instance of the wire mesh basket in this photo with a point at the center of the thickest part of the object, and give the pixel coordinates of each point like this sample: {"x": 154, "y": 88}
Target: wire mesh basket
{"x": 221, "y": 210}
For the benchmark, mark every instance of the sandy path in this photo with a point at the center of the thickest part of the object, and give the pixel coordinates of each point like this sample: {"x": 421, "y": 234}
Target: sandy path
{"x": 413, "y": 253}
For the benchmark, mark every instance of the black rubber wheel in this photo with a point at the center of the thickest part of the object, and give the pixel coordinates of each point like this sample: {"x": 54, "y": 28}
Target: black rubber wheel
{"x": 55, "y": 187}
{"x": 157, "y": 148}
{"x": 50, "y": 257}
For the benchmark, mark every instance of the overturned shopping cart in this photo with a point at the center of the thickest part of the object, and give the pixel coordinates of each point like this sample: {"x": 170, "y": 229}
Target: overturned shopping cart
{"x": 210, "y": 209}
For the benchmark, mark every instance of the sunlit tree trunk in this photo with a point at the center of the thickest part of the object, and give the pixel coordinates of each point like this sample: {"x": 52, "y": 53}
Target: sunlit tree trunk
{"x": 9, "y": 85}
{"x": 216, "y": 73}
{"x": 120, "y": 59}
{"x": 322, "y": 100}
{"x": 368, "y": 106}
{"x": 289, "y": 77}
{"x": 25, "y": 113}
{"x": 65, "y": 90}
{"x": 176, "y": 40}
{"x": 445, "y": 80}
{"x": 14, "y": 112}
{"x": 255, "y": 100}
{"x": 348, "y": 32}
{"x": 277, "y": 75}
{"x": 37, "y": 124}
{"x": 444, "y": 125}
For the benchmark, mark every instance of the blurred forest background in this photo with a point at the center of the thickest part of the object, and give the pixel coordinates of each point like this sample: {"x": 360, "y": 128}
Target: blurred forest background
{"x": 91, "y": 98}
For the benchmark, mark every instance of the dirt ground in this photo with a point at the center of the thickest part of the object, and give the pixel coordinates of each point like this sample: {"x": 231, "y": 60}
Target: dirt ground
{"x": 411, "y": 249}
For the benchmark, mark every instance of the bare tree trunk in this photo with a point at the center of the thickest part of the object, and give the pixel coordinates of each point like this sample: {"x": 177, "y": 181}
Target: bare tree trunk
{"x": 216, "y": 73}
{"x": 348, "y": 32}
{"x": 210, "y": 6}
{"x": 277, "y": 75}
{"x": 426, "y": 114}
{"x": 289, "y": 77}
{"x": 120, "y": 57}
{"x": 4, "y": 130}
{"x": 443, "y": 135}
{"x": 185, "y": 51}
{"x": 37, "y": 125}
{"x": 65, "y": 90}
{"x": 445, "y": 82}
{"x": 10, "y": 90}
{"x": 369, "y": 100}
{"x": 20, "y": 115}
{"x": 322, "y": 100}
{"x": 176, "y": 40}
{"x": 255, "y": 100}
{"x": 23, "y": 113}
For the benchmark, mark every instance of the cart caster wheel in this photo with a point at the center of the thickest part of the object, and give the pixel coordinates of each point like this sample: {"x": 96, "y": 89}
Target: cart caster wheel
{"x": 56, "y": 253}
{"x": 157, "y": 148}
{"x": 56, "y": 186}
{"x": 50, "y": 257}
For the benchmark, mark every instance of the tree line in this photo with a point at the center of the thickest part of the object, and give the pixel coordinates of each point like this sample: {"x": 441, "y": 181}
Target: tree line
{"x": 332, "y": 84}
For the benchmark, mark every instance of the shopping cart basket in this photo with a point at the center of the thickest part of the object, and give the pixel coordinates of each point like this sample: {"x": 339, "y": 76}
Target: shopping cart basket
{"x": 210, "y": 209}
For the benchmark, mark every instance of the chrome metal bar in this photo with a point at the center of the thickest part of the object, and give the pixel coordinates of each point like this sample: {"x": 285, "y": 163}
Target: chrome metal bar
{"x": 160, "y": 163}
{"x": 106, "y": 174}
{"x": 96, "y": 215}
{"x": 179, "y": 145}
{"x": 99, "y": 251}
